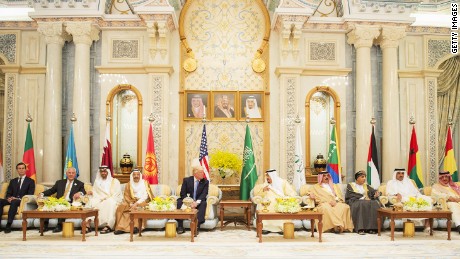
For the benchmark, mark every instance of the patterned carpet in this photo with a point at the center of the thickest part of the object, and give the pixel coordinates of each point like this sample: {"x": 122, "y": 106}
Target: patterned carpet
{"x": 230, "y": 243}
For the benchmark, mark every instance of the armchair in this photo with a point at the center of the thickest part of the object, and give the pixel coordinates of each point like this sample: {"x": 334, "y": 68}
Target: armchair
{"x": 53, "y": 222}
{"x": 256, "y": 200}
{"x": 440, "y": 201}
{"x": 387, "y": 200}
{"x": 211, "y": 216}
{"x": 27, "y": 203}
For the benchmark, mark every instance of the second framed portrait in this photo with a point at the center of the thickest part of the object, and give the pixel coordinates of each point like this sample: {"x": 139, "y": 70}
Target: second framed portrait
{"x": 224, "y": 106}
{"x": 252, "y": 105}
{"x": 196, "y": 107}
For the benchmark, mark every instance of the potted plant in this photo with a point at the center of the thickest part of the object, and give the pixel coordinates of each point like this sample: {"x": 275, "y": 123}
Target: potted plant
{"x": 226, "y": 163}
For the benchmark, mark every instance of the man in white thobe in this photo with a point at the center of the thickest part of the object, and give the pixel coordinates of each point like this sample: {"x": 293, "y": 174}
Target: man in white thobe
{"x": 403, "y": 188}
{"x": 106, "y": 196}
{"x": 274, "y": 187}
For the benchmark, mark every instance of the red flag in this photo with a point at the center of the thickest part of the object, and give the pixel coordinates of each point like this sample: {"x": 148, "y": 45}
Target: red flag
{"x": 414, "y": 167}
{"x": 107, "y": 153}
{"x": 29, "y": 158}
{"x": 150, "y": 166}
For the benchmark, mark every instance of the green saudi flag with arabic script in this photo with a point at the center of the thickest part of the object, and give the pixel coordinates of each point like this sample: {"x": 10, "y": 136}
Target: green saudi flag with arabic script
{"x": 249, "y": 173}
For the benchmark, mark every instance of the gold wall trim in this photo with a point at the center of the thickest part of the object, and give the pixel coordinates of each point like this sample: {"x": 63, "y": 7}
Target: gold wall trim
{"x": 10, "y": 68}
{"x": 337, "y": 105}
{"x": 312, "y": 71}
{"x": 109, "y": 109}
{"x": 33, "y": 70}
{"x": 419, "y": 73}
{"x": 134, "y": 69}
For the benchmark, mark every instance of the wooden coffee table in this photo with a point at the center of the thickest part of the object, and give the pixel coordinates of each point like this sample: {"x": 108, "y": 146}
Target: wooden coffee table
{"x": 235, "y": 204}
{"x": 384, "y": 212}
{"x": 312, "y": 216}
{"x": 176, "y": 214}
{"x": 71, "y": 214}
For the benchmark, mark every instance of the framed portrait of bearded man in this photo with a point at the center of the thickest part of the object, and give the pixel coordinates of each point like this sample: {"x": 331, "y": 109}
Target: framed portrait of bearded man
{"x": 251, "y": 105}
{"x": 196, "y": 106}
{"x": 223, "y": 106}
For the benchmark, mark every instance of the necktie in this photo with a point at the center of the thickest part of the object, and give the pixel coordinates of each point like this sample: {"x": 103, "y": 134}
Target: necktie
{"x": 194, "y": 190}
{"x": 67, "y": 189}
{"x": 19, "y": 185}
{"x": 20, "y": 182}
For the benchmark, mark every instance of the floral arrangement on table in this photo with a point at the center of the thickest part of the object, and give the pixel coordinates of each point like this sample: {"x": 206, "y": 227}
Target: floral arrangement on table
{"x": 226, "y": 163}
{"x": 417, "y": 204}
{"x": 162, "y": 204}
{"x": 55, "y": 204}
{"x": 287, "y": 205}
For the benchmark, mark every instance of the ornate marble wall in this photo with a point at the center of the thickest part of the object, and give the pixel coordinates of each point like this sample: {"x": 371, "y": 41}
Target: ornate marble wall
{"x": 224, "y": 37}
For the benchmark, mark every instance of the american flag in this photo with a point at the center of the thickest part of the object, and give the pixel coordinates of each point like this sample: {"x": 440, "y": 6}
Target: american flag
{"x": 204, "y": 153}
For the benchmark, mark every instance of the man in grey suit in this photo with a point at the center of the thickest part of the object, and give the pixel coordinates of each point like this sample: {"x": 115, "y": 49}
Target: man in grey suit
{"x": 197, "y": 188}
{"x": 17, "y": 188}
{"x": 69, "y": 188}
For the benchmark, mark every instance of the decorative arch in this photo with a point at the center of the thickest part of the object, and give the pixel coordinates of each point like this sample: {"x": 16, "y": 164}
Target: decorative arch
{"x": 109, "y": 113}
{"x": 335, "y": 97}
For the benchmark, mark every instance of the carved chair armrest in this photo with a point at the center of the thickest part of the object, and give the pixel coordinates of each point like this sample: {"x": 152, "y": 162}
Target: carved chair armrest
{"x": 393, "y": 199}
{"x": 212, "y": 200}
{"x": 85, "y": 199}
{"x": 298, "y": 199}
{"x": 211, "y": 206}
{"x": 257, "y": 199}
{"x": 28, "y": 202}
{"x": 308, "y": 201}
{"x": 443, "y": 202}
{"x": 383, "y": 200}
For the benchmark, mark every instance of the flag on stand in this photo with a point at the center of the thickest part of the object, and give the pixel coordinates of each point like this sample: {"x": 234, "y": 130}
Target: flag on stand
{"x": 373, "y": 173}
{"x": 249, "y": 172}
{"x": 150, "y": 166}
{"x": 299, "y": 167}
{"x": 414, "y": 168}
{"x": 29, "y": 158}
{"x": 449, "y": 160}
{"x": 71, "y": 155}
{"x": 204, "y": 153}
{"x": 107, "y": 152}
{"x": 333, "y": 158}
{"x": 2, "y": 177}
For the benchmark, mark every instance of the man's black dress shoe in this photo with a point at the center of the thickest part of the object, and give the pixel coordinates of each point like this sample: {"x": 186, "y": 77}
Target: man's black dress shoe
{"x": 265, "y": 232}
{"x": 118, "y": 232}
{"x": 57, "y": 229}
{"x": 458, "y": 229}
{"x": 7, "y": 230}
{"x": 180, "y": 230}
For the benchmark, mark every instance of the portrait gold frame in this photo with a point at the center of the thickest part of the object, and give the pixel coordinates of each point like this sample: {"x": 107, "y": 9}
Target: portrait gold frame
{"x": 109, "y": 113}
{"x": 261, "y": 104}
{"x": 236, "y": 109}
{"x": 187, "y": 99}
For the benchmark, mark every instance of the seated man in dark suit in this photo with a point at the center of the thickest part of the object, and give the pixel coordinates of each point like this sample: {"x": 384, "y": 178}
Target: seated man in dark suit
{"x": 197, "y": 188}
{"x": 69, "y": 188}
{"x": 17, "y": 188}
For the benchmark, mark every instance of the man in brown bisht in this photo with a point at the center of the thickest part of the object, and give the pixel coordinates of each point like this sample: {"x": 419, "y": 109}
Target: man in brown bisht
{"x": 336, "y": 214}
{"x": 137, "y": 194}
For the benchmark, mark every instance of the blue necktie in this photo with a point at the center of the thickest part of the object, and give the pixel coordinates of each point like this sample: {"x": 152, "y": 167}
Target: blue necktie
{"x": 194, "y": 190}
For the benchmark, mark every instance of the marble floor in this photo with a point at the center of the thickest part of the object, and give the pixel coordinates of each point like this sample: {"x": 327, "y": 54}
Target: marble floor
{"x": 230, "y": 243}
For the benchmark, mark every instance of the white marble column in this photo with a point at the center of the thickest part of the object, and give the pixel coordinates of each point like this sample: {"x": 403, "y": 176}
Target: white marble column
{"x": 391, "y": 151}
{"x": 362, "y": 37}
{"x": 52, "y": 147}
{"x": 83, "y": 33}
